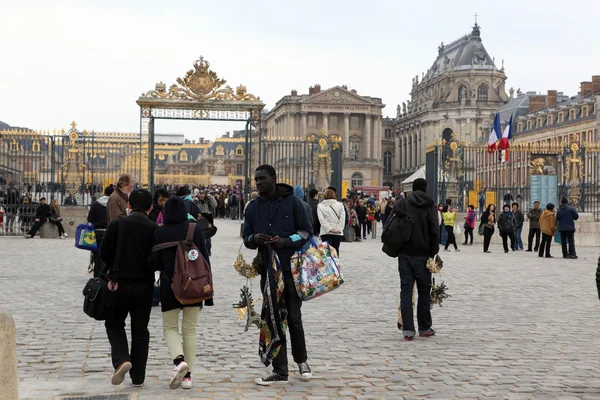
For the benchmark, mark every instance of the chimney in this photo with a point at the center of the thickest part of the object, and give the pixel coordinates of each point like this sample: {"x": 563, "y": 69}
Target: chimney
{"x": 317, "y": 88}
{"x": 294, "y": 93}
{"x": 587, "y": 88}
{"x": 311, "y": 91}
{"x": 354, "y": 91}
{"x": 596, "y": 83}
{"x": 536, "y": 103}
{"x": 551, "y": 98}
{"x": 201, "y": 141}
{"x": 228, "y": 134}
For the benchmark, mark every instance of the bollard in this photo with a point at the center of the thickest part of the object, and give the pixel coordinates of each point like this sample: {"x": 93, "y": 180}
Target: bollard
{"x": 9, "y": 382}
{"x": 374, "y": 229}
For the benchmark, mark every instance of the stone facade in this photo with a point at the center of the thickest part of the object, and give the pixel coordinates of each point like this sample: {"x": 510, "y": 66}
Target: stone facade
{"x": 338, "y": 111}
{"x": 456, "y": 96}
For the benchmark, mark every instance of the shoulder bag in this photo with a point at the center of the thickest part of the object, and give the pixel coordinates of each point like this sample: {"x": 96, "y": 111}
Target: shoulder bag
{"x": 99, "y": 299}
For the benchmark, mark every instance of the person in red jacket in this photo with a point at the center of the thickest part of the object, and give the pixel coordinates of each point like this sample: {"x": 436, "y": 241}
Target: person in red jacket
{"x": 470, "y": 225}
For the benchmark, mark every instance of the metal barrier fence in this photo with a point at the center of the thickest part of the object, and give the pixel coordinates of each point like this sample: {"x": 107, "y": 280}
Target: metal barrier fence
{"x": 467, "y": 174}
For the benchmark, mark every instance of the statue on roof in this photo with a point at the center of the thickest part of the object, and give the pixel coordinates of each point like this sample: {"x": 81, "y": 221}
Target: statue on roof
{"x": 441, "y": 48}
{"x": 519, "y": 92}
{"x": 398, "y": 112}
{"x": 511, "y": 92}
{"x": 403, "y": 108}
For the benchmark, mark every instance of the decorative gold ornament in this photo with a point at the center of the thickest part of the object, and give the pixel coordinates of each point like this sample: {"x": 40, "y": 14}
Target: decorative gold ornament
{"x": 201, "y": 83}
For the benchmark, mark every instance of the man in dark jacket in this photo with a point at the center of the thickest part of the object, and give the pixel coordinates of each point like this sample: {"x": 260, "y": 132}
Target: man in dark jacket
{"x": 313, "y": 202}
{"x": 97, "y": 217}
{"x": 519, "y": 219}
{"x": 412, "y": 259}
{"x": 277, "y": 221}
{"x": 534, "y": 215}
{"x": 566, "y": 217}
{"x": 134, "y": 282}
{"x": 41, "y": 216}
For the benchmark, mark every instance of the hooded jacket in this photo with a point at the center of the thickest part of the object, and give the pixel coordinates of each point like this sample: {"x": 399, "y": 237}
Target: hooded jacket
{"x": 97, "y": 214}
{"x": 566, "y": 217}
{"x": 175, "y": 228}
{"x": 548, "y": 223}
{"x": 299, "y": 193}
{"x": 282, "y": 215}
{"x": 506, "y": 222}
{"x": 425, "y": 237}
{"x": 331, "y": 214}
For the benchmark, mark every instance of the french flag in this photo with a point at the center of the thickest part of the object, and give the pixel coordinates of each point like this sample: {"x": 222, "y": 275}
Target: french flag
{"x": 505, "y": 140}
{"x": 495, "y": 134}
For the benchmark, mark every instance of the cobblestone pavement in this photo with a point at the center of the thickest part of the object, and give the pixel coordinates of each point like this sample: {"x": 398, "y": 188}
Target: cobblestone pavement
{"x": 517, "y": 327}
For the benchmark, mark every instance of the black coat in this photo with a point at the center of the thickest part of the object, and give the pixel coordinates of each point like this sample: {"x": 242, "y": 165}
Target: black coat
{"x": 174, "y": 230}
{"x": 134, "y": 263}
{"x": 316, "y": 224}
{"x": 425, "y": 235}
{"x": 97, "y": 215}
{"x": 362, "y": 213}
{"x": 506, "y": 223}
{"x": 43, "y": 211}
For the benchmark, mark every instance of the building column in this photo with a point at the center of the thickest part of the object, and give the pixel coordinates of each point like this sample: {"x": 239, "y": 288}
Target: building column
{"x": 326, "y": 123}
{"x": 376, "y": 155}
{"x": 415, "y": 164}
{"x": 303, "y": 124}
{"x": 397, "y": 150}
{"x": 346, "y": 139}
{"x": 367, "y": 136}
{"x": 292, "y": 132}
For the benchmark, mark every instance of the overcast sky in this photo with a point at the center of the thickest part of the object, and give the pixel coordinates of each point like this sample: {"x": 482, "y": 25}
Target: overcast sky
{"x": 89, "y": 61}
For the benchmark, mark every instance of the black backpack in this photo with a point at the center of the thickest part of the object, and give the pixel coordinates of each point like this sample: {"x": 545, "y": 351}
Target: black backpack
{"x": 396, "y": 232}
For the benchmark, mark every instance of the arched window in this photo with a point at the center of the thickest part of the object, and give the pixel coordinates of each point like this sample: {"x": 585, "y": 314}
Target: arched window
{"x": 387, "y": 162}
{"x": 357, "y": 179}
{"x": 461, "y": 89}
{"x": 239, "y": 151}
{"x": 482, "y": 93}
{"x": 220, "y": 151}
{"x": 183, "y": 156}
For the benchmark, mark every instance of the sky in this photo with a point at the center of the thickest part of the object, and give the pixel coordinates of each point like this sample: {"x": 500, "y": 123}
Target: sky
{"x": 89, "y": 61}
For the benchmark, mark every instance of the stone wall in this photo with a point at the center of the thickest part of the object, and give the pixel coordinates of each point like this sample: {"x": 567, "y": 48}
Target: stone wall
{"x": 73, "y": 216}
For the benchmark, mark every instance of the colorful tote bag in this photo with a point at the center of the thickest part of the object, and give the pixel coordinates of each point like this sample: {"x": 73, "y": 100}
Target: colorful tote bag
{"x": 85, "y": 237}
{"x": 316, "y": 270}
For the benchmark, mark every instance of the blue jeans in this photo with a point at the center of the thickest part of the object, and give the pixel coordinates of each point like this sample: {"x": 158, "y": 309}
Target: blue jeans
{"x": 518, "y": 240}
{"x": 443, "y": 235}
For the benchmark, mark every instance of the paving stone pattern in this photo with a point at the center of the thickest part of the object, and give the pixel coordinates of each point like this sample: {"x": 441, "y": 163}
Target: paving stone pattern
{"x": 516, "y": 327}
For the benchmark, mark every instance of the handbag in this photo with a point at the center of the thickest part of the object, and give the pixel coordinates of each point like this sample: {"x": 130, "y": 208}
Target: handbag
{"x": 85, "y": 237}
{"x": 55, "y": 219}
{"x": 316, "y": 270}
{"x": 457, "y": 230}
{"x": 480, "y": 230}
{"x": 99, "y": 300}
{"x": 371, "y": 218}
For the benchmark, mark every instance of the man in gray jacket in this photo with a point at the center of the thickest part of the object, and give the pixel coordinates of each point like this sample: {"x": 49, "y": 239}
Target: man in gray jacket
{"x": 534, "y": 226}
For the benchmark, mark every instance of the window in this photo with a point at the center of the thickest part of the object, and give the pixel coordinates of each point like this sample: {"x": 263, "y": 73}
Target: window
{"x": 550, "y": 119}
{"x": 482, "y": 93}
{"x": 584, "y": 112}
{"x": 539, "y": 122}
{"x": 35, "y": 146}
{"x": 561, "y": 117}
{"x": 183, "y": 156}
{"x": 529, "y": 124}
{"x": 520, "y": 127}
{"x": 357, "y": 179}
{"x": 354, "y": 123}
{"x": 239, "y": 169}
{"x": 312, "y": 121}
{"x": 355, "y": 151}
{"x": 239, "y": 151}
{"x": 572, "y": 114}
{"x": 14, "y": 146}
{"x": 498, "y": 91}
{"x": 461, "y": 89}
{"x": 333, "y": 122}
{"x": 388, "y": 133}
{"x": 387, "y": 162}
{"x": 220, "y": 151}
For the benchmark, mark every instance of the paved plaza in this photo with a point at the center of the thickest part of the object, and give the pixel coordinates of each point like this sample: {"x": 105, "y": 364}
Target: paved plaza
{"x": 516, "y": 327}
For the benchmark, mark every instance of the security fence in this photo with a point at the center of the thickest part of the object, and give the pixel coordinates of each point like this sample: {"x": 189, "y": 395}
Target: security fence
{"x": 468, "y": 174}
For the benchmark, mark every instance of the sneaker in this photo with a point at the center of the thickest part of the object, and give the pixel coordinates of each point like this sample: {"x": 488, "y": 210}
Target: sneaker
{"x": 186, "y": 383}
{"x": 304, "y": 370}
{"x": 65, "y": 235}
{"x": 120, "y": 372}
{"x": 428, "y": 333}
{"x": 408, "y": 338}
{"x": 273, "y": 379}
{"x": 138, "y": 385}
{"x": 61, "y": 237}
{"x": 179, "y": 373}
{"x": 456, "y": 249}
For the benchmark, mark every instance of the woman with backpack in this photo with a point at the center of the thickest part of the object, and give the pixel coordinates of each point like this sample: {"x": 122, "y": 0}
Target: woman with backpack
{"x": 175, "y": 229}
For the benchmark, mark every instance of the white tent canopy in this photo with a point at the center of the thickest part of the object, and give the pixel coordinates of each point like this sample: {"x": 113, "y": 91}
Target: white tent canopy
{"x": 421, "y": 173}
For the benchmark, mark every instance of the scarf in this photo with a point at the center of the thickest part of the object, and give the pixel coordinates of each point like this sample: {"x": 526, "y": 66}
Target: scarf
{"x": 274, "y": 311}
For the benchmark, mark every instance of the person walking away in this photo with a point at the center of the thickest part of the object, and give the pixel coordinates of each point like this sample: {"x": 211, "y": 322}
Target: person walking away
{"x": 347, "y": 227}
{"x": 566, "y": 217}
{"x": 331, "y": 214}
{"x": 233, "y": 204}
{"x": 175, "y": 229}
{"x": 12, "y": 207}
{"x": 355, "y": 224}
{"x": 506, "y": 226}
{"x": 299, "y": 193}
{"x": 313, "y": 202}
{"x": 424, "y": 243}
{"x": 97, "y": 216}
{"x": 117, "y": 202}
{"x": 470, "y": 225}
{"x": 481, "y": 201}
{"x": 41, "y": 216}
{"x": 361, "y": 211}
{"x": 449, "y": 218}
{"x": 158, "y": 204}
{"x": 534, "y": 215}
{"x": 134, "y": 283}
{"x": 548, "y": 228}
{"x": 488, "y": 219}
{"x": 56, "y": 219}
{"x": 519, "y": 219}
{"x": 276, "y": 221}
{"x": 443, "y": 233}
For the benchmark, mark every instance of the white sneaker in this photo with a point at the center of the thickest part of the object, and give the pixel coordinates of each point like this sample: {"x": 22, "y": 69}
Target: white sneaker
{"x": 120, "y": 372}
{"x": 65, "y": 235}
{"x": 61, "y": 237}
{"x": 179, "y": 373}
{"x": 186, "y": 383}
